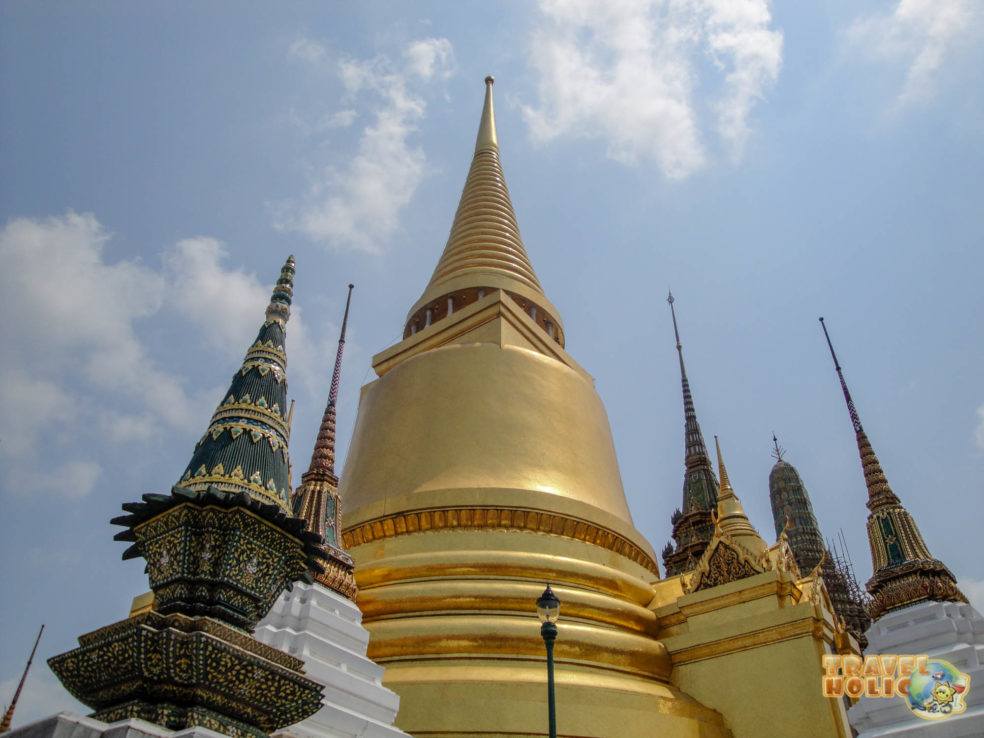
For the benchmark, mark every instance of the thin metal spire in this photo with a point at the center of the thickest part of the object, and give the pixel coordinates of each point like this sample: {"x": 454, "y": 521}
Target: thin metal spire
{"x": 676, "y": 333}
{"x": 696, "y": 450}
{"x": 855, "y": 419}
{"x": 879, "y": 491}
{"x": 9, "y": 714}
{"x": 777, "y": 454}
{"x": 323, "y": 457}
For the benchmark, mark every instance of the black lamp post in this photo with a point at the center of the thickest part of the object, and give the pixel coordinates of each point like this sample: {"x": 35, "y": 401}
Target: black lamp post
{"x": 548, "y": 610}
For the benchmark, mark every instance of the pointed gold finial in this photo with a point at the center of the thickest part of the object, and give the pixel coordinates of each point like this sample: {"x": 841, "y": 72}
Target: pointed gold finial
{"x": 484, "y": 250}
{"x": 486, "y": 130}
{"x": 731, "y": 516}
{"x": 725, "y": 484}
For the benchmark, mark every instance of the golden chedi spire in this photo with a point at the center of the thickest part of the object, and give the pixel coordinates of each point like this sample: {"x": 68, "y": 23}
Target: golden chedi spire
{"x": 484, "y": 251}
{"x": 481, "y": 466}
{"x": 905, "y": 572}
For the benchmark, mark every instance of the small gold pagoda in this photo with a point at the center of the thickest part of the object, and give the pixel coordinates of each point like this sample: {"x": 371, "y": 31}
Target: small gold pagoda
{"x": 482, "y": 467}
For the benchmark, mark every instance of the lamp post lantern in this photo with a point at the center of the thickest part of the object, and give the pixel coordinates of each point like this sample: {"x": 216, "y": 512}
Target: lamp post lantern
{"x": 548, "y": 610}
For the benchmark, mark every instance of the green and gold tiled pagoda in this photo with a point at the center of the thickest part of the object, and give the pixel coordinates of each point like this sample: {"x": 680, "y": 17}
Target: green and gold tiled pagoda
{"x": 904, "y": 570}
{"x": 693, "y": 523}
{"x": 245, "y": 446}
{"x": 220, "y": 548}
{"x": 793, "y": 515}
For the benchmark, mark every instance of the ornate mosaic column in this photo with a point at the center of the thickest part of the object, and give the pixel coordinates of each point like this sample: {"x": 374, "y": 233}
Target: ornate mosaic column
{"x": 220, "y": 548}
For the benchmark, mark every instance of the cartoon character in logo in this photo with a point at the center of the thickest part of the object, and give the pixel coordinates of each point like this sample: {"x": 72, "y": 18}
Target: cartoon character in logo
{"x": 939, "y": 693}
{"x": 942, "y": 698}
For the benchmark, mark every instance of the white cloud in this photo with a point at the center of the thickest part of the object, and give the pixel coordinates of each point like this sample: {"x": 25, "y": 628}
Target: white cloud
{"x": 77, "y": 313}
{"x": 431, "y": 57}
{"x": 627, "y": 72}
{"x": 979, "y": 432}
{"x": 341, "y": 119}
{"x": 31, "y": 405}
{"x": 918, "y": 35}
{"x": 76, "y": 362}
{"x": 740, "y": 41}
{"x": 73, "y": 326}
{"x": 357, "y": 205}
{"x": 199, "y": 285}
{"x": 307, "y": 50}
{"x": 73, "y": 480}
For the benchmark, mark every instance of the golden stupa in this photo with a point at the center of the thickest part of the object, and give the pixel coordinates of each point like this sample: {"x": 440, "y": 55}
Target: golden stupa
{"x": 482, "y": 467}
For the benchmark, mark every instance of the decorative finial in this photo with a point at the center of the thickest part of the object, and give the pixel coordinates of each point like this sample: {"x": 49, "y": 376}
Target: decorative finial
{"x": 283, "y": 294}
{"x": 722, "y": 472}
{"x": 487, "y": 138}
{"x": 8, "y": 716}
{"x": 323, "y": 457}
{"x": 855, "y": 419}
{"x": 676, "y": 332}
{"x": 490, "y": 80}
{"x": 777, "y": 454}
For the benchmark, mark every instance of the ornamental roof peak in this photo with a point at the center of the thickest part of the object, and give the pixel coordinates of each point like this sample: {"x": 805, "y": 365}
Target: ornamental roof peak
{"x": 317, "y": 499}
{"x": 244, "y": 448}
{"x": 731, "y": 516}
{"x": 487, "y": 138}
{"x": 904, "y": 570}
{"x": 323, "y": 458}
{"x": 484, "y": 250}
{"x": 696, "y": 450}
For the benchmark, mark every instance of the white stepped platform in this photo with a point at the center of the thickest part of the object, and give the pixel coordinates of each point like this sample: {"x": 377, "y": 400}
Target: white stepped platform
{"x": 70, "y": 725}
{"x": 325, "y": 629}
{"x": 951, "y": 631}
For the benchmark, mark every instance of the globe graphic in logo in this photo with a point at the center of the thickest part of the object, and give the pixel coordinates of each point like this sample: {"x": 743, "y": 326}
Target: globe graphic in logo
{"x": 940, "y": 693}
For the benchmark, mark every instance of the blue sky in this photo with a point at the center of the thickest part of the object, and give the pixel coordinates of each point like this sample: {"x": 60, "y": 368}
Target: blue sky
{"x": 769, "y": 163}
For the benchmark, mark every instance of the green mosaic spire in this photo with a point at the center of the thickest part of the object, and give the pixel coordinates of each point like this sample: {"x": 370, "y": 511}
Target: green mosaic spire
{"x": 245, "y": 446}
{"x": 793, "y": 514}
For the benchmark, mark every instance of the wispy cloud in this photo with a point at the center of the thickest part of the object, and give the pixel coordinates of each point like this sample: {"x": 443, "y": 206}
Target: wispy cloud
{"x": 76, "y": 315}
{"x": 76, "y": 360}
{"x": 628, "y": 73}
{"x": 307, "y": 50}
{"x": 432, "y": 57}
{"x": 200, "y": 283}
{"x": 918, "y": 35}
{"x": 356, "y": 204}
